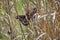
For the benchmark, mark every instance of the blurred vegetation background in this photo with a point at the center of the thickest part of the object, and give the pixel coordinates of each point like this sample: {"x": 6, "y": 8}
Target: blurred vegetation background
{"x": 45, "y": 29}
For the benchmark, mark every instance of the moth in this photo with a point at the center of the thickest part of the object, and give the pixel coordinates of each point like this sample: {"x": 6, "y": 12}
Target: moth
{"x": 24, "y": 19}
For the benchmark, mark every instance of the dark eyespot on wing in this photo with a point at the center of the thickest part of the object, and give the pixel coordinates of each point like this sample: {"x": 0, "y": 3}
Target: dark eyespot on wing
{"x": 22, "y": 19}
{"x": 20, "y": 16}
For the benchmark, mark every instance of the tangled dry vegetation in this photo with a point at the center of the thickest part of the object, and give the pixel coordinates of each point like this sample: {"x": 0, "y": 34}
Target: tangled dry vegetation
{"x": 47, "y": 27}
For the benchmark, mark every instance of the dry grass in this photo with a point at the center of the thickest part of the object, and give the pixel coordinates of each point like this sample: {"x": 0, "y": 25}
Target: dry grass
{"x": 44, "y": 29}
